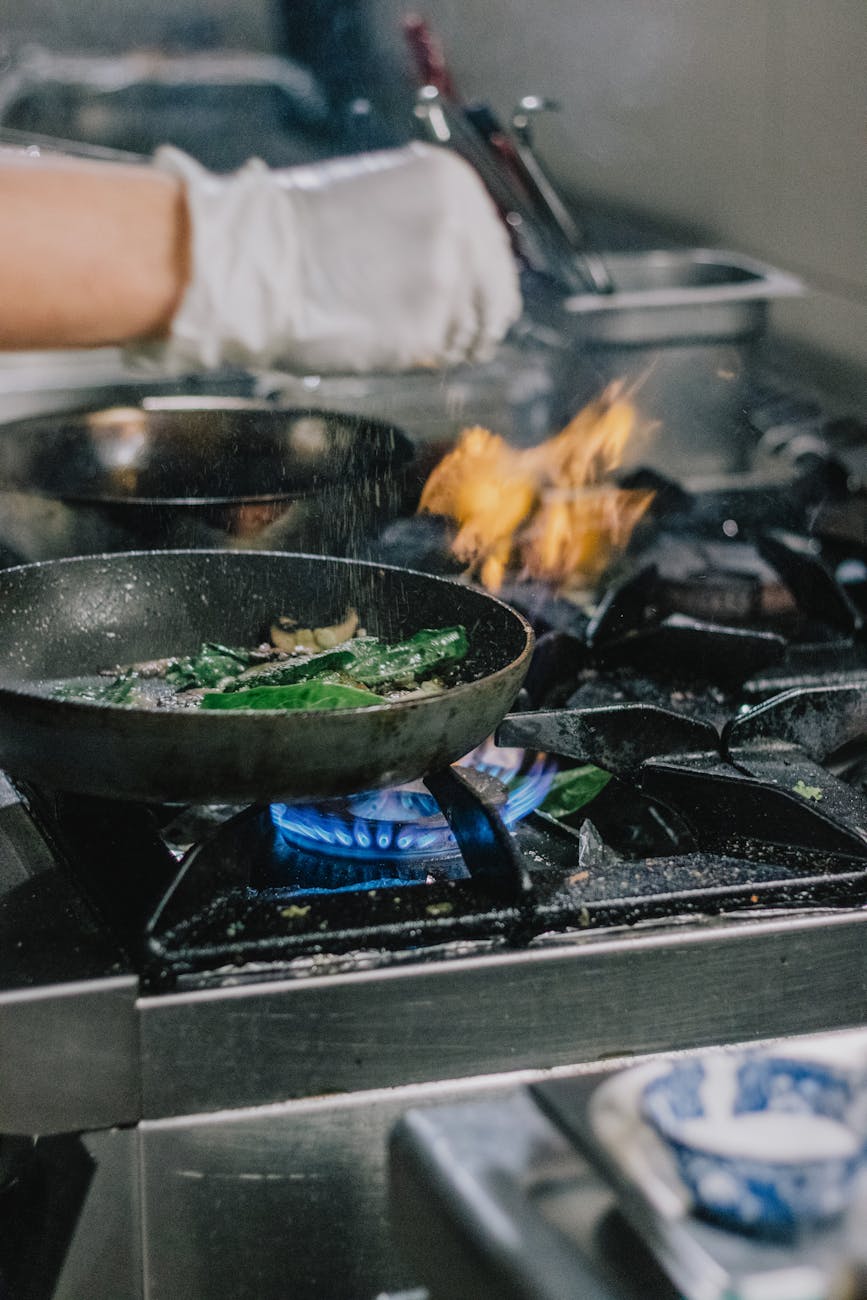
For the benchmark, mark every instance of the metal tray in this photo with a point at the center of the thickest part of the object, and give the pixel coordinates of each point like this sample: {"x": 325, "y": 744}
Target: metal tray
{"x": 679, "y": 294}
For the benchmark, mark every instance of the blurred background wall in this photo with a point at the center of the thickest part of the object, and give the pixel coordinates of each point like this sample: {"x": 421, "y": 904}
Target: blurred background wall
{"x": 117, "y": 25}
{"x": 742, "y": 121}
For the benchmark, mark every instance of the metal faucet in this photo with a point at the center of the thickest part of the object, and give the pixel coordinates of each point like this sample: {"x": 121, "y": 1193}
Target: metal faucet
{"x": 546, "y": 193}
{"x": 546, "y": 236}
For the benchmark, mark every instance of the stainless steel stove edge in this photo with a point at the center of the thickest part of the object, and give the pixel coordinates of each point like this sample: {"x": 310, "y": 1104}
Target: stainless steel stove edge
{"x": 70, "y": 1056}
{"x": 582, "y": 999}
{"x": 93, "y": 1053}
{"x": 314, "y": 1171}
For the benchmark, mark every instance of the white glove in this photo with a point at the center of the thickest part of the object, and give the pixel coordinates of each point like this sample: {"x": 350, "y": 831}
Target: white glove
{"x": 379, "y": 262}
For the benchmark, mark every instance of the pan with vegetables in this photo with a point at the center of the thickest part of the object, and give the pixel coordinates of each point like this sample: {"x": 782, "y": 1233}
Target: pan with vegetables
{"x": 197, "y": 676}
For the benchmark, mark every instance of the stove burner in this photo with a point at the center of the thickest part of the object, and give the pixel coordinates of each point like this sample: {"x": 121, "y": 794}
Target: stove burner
{"x": 405, "y": 823}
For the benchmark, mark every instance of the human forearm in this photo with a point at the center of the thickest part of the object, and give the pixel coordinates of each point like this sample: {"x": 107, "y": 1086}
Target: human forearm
{"x": 90, "y": 253}
{"x": 380, "y": 262}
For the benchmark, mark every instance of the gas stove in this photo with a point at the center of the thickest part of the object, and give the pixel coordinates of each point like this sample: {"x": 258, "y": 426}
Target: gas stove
{"x": 216, "y": 1014}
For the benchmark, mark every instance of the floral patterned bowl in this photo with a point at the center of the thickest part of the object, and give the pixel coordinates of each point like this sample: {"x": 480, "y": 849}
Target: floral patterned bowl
{"x": 765, "y": 1144}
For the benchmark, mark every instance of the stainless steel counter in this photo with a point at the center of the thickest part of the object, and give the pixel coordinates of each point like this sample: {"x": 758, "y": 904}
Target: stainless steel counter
{"x": 317, "y": 1164}
{"x": 258, "y": 1110}
{"x": 575, "y": 998}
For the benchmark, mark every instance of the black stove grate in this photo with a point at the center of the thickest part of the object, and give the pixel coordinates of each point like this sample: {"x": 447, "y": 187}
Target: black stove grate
{"x": 226, "y": 912}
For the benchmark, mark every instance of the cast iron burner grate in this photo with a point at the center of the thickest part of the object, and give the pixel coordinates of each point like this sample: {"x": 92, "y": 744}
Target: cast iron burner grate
{"x": 741, "y": 817}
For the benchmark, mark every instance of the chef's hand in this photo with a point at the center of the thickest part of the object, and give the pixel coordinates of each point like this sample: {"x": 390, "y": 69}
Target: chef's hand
{"x": 383, "y": 261}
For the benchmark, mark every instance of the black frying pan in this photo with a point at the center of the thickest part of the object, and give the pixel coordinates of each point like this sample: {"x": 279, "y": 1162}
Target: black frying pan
{"x": 174, "y": 472}
{"x": 68, "y": 618}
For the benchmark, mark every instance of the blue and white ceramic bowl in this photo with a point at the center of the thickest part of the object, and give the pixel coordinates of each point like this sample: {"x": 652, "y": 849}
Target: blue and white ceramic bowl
{"x": 764, "y": 1144}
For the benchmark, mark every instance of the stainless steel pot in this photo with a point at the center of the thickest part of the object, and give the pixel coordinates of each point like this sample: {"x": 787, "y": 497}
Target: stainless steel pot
{"x": 197, "y": 472}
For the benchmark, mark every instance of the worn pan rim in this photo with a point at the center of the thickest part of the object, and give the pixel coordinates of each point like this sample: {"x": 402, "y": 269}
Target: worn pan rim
{"x": 172, "y": 717}
{"x": 175, "y": 503}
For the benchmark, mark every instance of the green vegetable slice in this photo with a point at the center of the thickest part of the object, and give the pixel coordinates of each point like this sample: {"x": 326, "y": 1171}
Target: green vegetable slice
{"x": 377, "y": 664}
{"x": 210, "y": 665}
{"x": 572, "y": 789}
{"x": 116, "y": 691}
{"x": 302, "y": 695}
{"x": 374, "y": 663}
{"x": 318, "y": 668}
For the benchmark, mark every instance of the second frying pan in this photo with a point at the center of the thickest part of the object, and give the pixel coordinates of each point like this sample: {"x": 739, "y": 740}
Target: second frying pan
{"x": 170, "y": 472}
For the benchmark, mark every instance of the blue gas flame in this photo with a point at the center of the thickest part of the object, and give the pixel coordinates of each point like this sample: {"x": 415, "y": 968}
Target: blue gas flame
{"x": 406, "y": 822}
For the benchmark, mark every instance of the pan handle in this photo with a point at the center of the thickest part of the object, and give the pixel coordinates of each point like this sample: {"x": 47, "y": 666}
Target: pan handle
{"x": 489, "y": 851}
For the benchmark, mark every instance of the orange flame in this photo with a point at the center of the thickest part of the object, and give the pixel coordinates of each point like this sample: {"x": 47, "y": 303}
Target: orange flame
{"x": 546, "y": 510}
